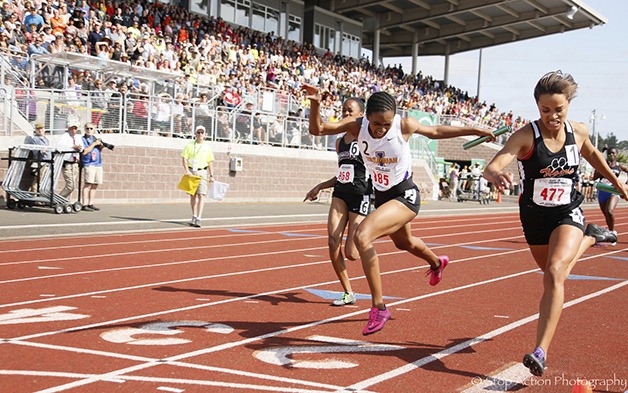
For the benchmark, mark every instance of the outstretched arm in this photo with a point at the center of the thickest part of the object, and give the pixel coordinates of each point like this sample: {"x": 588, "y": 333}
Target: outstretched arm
{"x": 519, "y": 143}
{"x": 312, "y": 195}
{"x": 597, "y": 160}
{"x": 317, "y": 126}
{"x": 410, "y": 126}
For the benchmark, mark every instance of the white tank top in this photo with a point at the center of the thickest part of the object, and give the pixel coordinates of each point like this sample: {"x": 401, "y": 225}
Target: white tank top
{"x": 387, "y": 159}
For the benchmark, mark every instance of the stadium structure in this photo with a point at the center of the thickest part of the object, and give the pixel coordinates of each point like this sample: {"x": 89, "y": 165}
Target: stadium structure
{"x": 145, "y": 165}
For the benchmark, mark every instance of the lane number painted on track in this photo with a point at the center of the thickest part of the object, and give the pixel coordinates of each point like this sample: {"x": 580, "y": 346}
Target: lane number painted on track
{"x": 32, "y": 315}
{"x": 286, "y": 356}
{"x": 128, "y": 335}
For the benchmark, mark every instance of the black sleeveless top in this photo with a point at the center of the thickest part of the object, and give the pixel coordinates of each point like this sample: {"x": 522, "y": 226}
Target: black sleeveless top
{"x": 349, "y": 157}
{"x": 549, "y": 179}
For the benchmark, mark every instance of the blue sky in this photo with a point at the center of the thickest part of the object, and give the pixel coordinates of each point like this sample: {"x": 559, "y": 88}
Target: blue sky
{"x": 597, "y": 58}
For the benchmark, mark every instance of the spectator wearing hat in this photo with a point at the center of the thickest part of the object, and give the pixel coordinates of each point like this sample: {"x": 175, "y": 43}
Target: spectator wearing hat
{"x": 47, "y": 36}
{"x": 37, "y": 47}
{"x": 37, "y": 167}
{"x": 196, "y": 159}
{"x": 71, "y": 144}
{"x": 124, "y": 57}
{"x": 91, "y": 158}
{"x": 33, "y": 21}
{"x": 95, "y": 35}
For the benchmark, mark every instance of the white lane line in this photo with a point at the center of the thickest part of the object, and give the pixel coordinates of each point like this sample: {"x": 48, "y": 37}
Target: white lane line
{"x": 206, "y": 236}
{"x": 156, "y": 251}
{"x": 160, "y": 230}
{"x": 469, "y": 343}
{"x": 155, "y": 361}
{"x": 234, "y": 344}
{"x": 185, "y": 261}
{"x": 191, "y": 279}
{"x": 188, "y": 248}
{"x": 186, "y": 245}
{"x": 219, "y": 219}
{"x": 119, "y": 373}
{"x": 198, "y": 278}
{"x": 243, "y": 342}
{"x": 167, "y": 389}
{"x": 273, "y": 230}
{"x": 152, "y": 221}
{"x": 252, "y": 296}
{"x": 120, "y": 379}
{"x": 512, "y": 378}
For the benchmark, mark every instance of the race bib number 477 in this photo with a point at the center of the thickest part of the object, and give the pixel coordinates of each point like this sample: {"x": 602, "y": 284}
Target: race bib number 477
{"x": 552, "y": 192}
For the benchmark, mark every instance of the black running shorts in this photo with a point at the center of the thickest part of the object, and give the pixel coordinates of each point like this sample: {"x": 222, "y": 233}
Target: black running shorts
{"x": 405, "y": 192}
{"x": 358, "y": 204}
{"x": 538, "y": 223}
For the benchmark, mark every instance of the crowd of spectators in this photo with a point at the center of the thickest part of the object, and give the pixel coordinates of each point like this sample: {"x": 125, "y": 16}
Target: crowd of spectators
{"x": 206, "y": 52}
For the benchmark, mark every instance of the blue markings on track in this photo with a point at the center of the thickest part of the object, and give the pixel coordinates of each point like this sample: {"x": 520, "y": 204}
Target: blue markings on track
{"x": 615, "y": 257}
{"x": 332, "y": 295}
{"x": 299, "y": 234}
{"x": 576, "y": 277}
{"x": 486, "y": 248}
{"x": 592, "y": 278}
{"x": 470, "y": 247}
{"x": 289, "y": 234}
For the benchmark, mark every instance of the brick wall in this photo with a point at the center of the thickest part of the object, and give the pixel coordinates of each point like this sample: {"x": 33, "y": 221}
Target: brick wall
{"x": 148, "y": 169}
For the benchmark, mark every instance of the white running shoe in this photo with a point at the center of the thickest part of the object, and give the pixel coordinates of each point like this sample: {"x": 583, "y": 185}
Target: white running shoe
{"x": 346, "y": 298}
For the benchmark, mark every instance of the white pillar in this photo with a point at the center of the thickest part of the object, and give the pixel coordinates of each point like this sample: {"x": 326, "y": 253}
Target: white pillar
{"x": 376, "y": 47}
{"x": 479, "y": 74}
{"x": 415, "y": 55}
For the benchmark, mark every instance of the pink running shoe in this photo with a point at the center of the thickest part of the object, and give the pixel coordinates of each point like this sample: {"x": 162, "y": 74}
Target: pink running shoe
{"x": 437, "y": 275}
{"x": 377, "y": 320}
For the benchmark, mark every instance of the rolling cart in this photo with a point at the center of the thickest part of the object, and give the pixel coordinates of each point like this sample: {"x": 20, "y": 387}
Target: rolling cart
{"x": 31, "y": 180}
{"x": 473, "y": 191}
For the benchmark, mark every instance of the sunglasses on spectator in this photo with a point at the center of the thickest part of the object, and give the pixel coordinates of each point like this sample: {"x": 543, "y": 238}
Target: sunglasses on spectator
{"x": 200, "y": 132}
{"x": 89, "y": 128}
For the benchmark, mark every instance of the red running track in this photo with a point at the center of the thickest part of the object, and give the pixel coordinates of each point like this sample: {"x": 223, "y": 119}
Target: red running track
{"x": 247, "y": 309}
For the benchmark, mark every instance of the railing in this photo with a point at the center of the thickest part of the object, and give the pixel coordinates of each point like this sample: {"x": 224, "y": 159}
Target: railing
{"x": 162, "y": 115}
{"x": 14, "y": 67}
{"x": 419, "y": 149}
